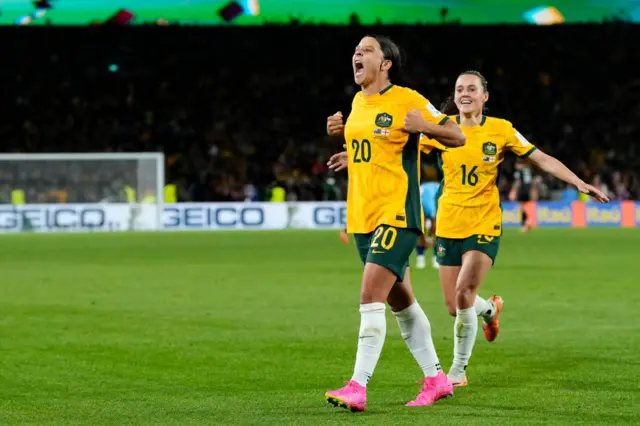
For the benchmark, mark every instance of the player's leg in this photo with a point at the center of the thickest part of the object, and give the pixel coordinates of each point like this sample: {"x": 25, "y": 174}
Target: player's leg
{"x": 344, "y": 236}
{"x": 380, "y": 274}
{"x": 525, "y": 223}
{"x": 448, "y": 280}
{"x": 479, "y": 253}
{"x": 421, "y": 261}
{"x": 416, "y": 332}
{"x": 434, "y": 258}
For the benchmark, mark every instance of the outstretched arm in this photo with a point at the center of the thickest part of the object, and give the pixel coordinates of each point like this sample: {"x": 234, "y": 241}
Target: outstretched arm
{"x": 555, "y": 167}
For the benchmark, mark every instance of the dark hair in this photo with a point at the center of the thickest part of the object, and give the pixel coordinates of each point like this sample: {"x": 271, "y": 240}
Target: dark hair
{"x": 390, "y": 52}
{"x": 449, "y": 106}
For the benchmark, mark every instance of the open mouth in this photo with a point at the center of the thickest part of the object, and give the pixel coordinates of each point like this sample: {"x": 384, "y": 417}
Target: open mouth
{"x": 465, "y": 102}
{"x": 359, "y": 67}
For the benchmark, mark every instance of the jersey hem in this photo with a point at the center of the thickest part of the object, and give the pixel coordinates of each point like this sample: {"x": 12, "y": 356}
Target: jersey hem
{"x": 458, "y": 237}
{"x": 393, "y": 225}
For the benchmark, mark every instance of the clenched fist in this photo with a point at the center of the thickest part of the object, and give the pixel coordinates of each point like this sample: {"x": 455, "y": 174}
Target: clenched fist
{"x": 414, "y": 122}
{"x": 335, "y": 126}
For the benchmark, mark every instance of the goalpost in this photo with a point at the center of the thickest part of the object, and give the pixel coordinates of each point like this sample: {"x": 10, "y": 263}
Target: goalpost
{"x": 81, "y": 192}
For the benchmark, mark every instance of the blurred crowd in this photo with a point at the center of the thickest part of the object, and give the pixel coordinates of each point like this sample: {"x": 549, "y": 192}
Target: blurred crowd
{"x": 240, "y": 112}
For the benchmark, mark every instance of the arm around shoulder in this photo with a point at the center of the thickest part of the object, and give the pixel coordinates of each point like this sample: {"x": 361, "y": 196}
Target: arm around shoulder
{"x": 448, "y": 133}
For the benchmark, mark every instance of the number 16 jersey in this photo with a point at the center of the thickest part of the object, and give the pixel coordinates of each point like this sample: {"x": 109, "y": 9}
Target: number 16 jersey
{"x": 384, "y": 160}
{"x": 470, "y": 202}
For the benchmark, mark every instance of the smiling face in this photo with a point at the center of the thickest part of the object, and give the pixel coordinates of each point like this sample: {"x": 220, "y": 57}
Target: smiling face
{"x": 368, "y": 62}
{"x": 470, "y": 95}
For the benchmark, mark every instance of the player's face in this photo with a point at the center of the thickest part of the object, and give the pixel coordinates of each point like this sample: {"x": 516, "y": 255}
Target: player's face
{"x": 470, "y": 95}
{"x": 367, "y": 61}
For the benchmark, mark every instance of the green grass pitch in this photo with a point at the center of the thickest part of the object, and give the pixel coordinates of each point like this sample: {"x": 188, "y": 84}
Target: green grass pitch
{"x": 253, "y": 328}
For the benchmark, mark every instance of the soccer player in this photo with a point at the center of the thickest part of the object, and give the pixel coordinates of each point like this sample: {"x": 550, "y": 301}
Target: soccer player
{"x": 384, "y": 212}
{"x": 521, "y": 189}
{"x": 469, "y": 216}
{"x": 428, "y": 194}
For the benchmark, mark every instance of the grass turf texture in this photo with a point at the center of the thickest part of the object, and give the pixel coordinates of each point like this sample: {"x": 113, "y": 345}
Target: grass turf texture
{"x": 253, "y": 328}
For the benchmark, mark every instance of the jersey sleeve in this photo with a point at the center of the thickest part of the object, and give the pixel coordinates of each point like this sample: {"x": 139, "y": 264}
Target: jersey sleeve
{"x": 517, "y": 143}
{"x": 427, "y": 145}
{"x": 430, "y": 112}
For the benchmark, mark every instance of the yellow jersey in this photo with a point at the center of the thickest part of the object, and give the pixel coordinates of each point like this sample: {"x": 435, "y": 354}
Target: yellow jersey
{"x": 469, "y": 203}
{"x": 384, "y": 160}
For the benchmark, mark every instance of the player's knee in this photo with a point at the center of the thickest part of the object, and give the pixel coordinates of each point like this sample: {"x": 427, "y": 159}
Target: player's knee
{"x": 464, "y": 297}
{"x": 451, "y": 307}
{"x": 400, "y": 297}
{"x": 376, "y": 284}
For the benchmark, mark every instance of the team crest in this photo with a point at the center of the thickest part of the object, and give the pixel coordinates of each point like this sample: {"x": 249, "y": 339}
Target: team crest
{"x": 441, "y": 251}
{"x": 384, "y": 120}
{"x": 489, "y": 148}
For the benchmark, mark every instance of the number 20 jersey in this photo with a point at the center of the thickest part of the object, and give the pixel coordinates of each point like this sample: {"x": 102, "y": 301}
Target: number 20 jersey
{"x": 384, "y": 160}
{"x": 470, "y": 202}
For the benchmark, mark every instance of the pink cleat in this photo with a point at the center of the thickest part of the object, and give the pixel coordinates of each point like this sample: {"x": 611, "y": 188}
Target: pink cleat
{"x": 352, "y": 397}
{"x": 434, "y": 388}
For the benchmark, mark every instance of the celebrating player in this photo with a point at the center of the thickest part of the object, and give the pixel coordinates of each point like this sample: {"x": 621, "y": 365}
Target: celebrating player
{"x": 384, "y": 213}
{"x": 428, "y": 195}
{"x": 469, "y": 216}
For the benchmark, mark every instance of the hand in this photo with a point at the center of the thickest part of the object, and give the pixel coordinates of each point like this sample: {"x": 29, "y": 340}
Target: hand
{"x": 338, "y": 161}
{"x": 592, "y": 191}
{"x": 414, "y": 122}
{"x": 335, "y": 126}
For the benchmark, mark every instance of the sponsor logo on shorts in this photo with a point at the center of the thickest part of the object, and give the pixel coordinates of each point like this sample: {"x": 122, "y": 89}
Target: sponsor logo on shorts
{"x": 485, "y": 239}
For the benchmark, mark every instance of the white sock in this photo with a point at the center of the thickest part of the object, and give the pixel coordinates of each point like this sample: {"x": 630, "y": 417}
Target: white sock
{"x": 416, "y": 332}
{"x": 484, "y": 308}
{"x": 465, "y": 330}
{"x": 373, "y": 329}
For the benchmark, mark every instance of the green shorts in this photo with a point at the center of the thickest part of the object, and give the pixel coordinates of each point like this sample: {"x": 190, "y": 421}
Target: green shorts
{"x": 449, "y": 251}
{"x": 389, "y": 247}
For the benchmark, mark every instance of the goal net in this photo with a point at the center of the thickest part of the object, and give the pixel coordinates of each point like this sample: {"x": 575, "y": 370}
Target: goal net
{"x": 81, "y": 192}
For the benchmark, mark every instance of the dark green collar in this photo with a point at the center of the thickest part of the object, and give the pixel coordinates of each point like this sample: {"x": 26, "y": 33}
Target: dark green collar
{"x": 386, "y": 89}
{"x": 484, "y": 119}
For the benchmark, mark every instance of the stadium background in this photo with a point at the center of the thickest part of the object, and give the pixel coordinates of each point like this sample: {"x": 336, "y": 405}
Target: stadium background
{"x": 258, "y": 12}
{"x": 252, "y": 327}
